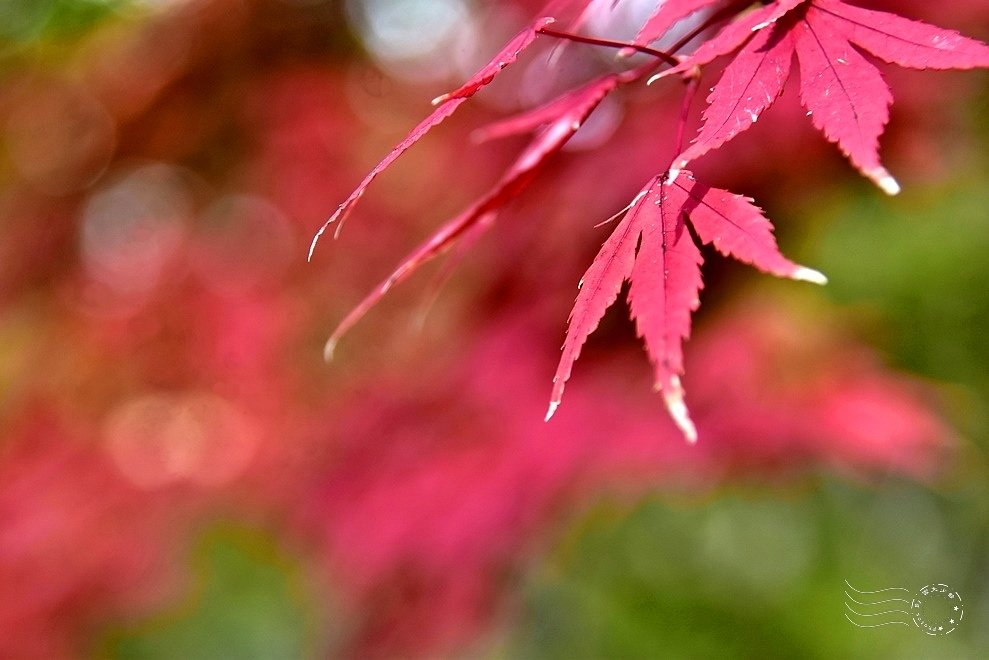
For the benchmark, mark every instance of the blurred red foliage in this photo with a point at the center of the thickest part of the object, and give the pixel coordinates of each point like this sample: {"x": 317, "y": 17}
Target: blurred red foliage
{"x": 433, "y": 495}
{"x": 79, "y": 545}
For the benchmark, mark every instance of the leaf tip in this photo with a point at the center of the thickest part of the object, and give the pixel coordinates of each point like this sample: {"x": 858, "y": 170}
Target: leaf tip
{"x": 315, "y": 240}
{"x": 805, "y": 274}
{"x": 553, "y": 405}
{"x": 319, "y": 234}
{"x": 889, "y": 185}
{"x": 673, "y": 396}
{"x": 882, "y": 178}
{"x": 658, "y": 76}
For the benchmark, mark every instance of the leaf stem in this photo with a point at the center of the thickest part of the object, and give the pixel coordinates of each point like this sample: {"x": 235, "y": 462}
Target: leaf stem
{"x": 693, "y": 82}
{"x": 609, "y": 43}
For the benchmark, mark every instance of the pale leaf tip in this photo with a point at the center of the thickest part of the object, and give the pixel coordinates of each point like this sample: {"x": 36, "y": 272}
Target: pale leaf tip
{"x": 884, "y": 180}
{"x": 889, "y": 185}
{"x": 553, "y": 405}
{"x": 654, "y": 78}
{"x": 315, "y": 239}
{"x": 673, "y": 174}
{"x": 329, "y": 349}
{"x": 673, "y": 396}
{"x": 805, "y": 274}
{"x": 440, "y": 99}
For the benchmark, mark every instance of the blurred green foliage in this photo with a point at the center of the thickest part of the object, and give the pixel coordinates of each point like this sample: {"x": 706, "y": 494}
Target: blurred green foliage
{"x": 25, "y": 21}
{"x": 915, "y": 267}
{"x": 250, "y": 601}
{"x": 749, "y": 574}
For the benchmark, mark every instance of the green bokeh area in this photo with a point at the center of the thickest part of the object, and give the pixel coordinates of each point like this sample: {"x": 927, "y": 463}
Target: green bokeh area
{"x": 914, "y": 271}
{"x": 249, "y": 601}
{"x": 25, "y": 21}
{"x": 752, "y": 575}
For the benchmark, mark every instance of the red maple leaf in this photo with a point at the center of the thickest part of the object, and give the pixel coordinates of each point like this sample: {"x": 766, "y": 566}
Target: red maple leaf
{"x": 652, "y": 248}
{"x": 844, "y": 93}
{"x": 447, "y": 104}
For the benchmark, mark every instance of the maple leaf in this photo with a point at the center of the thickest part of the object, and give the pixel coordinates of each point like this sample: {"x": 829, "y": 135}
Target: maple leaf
{"x": 664, "y": 292}
{"x": 555, "y": 123}
{"x": 736, "y": 228}
{"x": 599, "y": 287}
{"x": 844, "y": 93}
{"x": 749, "y": 85}
{"x": 899, "y": 40}
{"x": 652, "y": 249}
{"x": 447, "y": 105}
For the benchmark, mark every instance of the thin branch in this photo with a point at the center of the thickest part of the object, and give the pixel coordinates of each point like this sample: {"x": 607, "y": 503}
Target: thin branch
{"x": 608, "y": 43}
{"x": 693, "y": 82}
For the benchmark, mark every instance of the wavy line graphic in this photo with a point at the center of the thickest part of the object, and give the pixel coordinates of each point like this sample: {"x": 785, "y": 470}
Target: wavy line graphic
{"x": 852, "y": 610}
{"x": 876, "y": 599}
{"x": 876, "y": 625}
{"x": 879, "y": 591}
{"x": 888, "y": 600}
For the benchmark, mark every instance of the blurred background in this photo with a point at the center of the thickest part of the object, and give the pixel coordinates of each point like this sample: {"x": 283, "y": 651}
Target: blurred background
{"x": 182, "y": 476}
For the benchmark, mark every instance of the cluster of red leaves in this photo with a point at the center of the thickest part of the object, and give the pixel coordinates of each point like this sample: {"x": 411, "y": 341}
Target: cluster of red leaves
{"x": 844, "y": 94}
